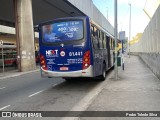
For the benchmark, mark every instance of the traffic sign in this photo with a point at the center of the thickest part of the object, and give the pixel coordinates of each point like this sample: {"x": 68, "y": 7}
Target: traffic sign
{"x": 122, "y": 35}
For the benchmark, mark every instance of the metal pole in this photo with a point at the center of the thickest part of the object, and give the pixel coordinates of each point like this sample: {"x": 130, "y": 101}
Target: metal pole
{"x": 115, "y": 33}
{"x": 129, "y": 30}
{"x": 107, "y": 13}
{"x": 2, "y": 55}
{"x": 122, "y": 54}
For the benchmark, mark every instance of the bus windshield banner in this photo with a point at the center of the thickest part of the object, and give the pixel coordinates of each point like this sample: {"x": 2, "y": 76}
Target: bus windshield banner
{"x": 63, "y": 31}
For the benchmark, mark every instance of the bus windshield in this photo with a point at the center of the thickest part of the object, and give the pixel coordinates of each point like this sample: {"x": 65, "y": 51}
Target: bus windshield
{"x": 63, "y": 31}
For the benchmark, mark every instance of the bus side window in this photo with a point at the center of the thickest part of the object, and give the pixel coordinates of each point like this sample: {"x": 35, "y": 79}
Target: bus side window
{"x": 111, "y": 43}
{"x": 96, "y": 32}
{"x": 92, "y": 31}
{"x": 99, "y": 34}
{"x": 108, "y": 42}
{"x": 104, "y": 41}
{"x": 100, "y": 40}
{"x": 95, "y": 38}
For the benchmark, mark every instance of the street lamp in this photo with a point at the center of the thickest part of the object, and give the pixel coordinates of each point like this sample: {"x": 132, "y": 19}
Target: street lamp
{"x": 129, "y": 30}
{"x": 107, "y": 13}
{"x": 115, "y": 34}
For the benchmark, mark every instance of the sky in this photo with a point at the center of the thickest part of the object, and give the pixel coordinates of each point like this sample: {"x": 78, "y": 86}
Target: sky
{"x": 139, "y": 20}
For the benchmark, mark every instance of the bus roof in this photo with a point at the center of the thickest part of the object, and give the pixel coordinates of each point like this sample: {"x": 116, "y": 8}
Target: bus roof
{"x": 77, "y": 17}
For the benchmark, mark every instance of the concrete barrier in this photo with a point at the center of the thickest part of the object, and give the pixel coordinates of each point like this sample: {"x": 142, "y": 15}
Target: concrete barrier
{"x": 148, "y": 48}
{"x": 152, "y": 60}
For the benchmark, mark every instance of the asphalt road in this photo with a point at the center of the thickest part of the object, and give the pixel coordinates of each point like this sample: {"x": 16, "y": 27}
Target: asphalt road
{"x": 30, "y": 92}
{"x": 16, "y": 89}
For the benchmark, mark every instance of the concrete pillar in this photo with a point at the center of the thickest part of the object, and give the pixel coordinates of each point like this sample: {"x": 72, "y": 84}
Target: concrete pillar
{"x": 25, "y": 35}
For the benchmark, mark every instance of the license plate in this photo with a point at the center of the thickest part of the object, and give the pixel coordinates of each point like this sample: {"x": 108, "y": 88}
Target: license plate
{"x": 63, "y": 68}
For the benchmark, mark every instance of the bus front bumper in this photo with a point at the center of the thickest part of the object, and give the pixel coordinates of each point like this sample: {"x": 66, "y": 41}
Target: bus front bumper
{"x": 81, "y": 73}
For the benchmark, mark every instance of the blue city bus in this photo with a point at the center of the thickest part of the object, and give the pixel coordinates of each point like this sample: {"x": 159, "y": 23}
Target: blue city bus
{"x": 75, "y": 47}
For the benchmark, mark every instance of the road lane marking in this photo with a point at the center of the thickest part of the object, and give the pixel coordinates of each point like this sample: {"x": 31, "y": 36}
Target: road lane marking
{"x": 2, "y": 88}
{"x": 35, "y": 93}
{"x": 5, "y": 107}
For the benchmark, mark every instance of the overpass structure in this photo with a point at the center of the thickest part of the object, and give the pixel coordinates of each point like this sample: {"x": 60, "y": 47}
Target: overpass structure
{"x": 148, "y": 48}
{"x": 24, "y": 14}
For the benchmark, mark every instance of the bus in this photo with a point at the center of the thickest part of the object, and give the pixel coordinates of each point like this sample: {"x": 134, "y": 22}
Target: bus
{"x": 75, "y": 47}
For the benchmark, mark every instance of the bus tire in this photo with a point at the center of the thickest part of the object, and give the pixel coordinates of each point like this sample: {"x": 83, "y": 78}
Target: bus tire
{"x": 104, "y": 75}
{"x": 68, "y": 79}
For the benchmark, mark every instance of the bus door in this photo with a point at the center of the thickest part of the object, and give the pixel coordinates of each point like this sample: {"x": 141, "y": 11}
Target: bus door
{"x": 96, "y": 52}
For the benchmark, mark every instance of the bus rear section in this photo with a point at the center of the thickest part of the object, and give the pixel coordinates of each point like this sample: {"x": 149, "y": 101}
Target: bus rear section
{"x": 64, "y": 48}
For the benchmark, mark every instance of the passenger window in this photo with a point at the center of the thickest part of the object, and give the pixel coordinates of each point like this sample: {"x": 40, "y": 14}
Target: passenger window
{"x": 108, "y": 42}
{"x": 95, "y": 39}
{"x": 92, "y": 31}
{"x": 96, "y": 32}
{"x": 99, "y": 34}
{"x": 100, "y": 40}
{"x": 104, "y": 41}
{"x": 111, "y": 43}
{"x": 102, "y": 35}
{"x": 95, "y": 43}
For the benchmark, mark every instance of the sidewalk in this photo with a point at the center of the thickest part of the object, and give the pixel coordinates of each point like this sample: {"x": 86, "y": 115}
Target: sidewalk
{"x": 137, "y": 89}
{"x": 13, "y": 72}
